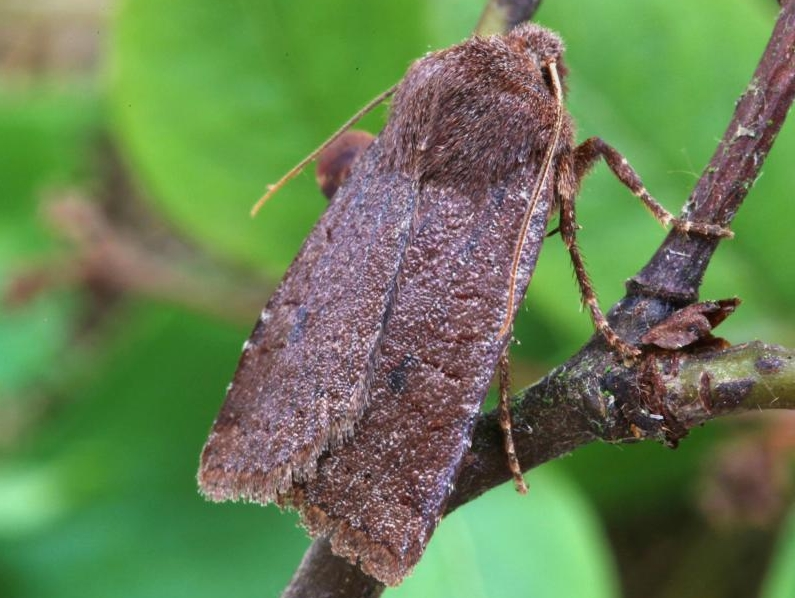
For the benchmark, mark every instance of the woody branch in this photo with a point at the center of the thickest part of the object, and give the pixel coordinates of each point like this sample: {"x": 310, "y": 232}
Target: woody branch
{"x": 592, "y": 397}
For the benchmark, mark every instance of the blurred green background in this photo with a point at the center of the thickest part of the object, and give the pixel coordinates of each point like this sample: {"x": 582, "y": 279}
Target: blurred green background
{"x": 134, "y": 137}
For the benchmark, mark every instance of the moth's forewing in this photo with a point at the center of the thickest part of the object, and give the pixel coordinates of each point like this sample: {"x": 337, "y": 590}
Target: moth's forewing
{"x": 472, "y": 125}
{"x": 381, "y": 495}
{"x": 396, "y": 304}
{"x": 302, "y": 379}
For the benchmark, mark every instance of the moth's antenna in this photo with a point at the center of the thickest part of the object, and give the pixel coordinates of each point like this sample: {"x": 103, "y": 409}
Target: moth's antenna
{"x": 272, "y": 189}
{"x": 544, "y": 172}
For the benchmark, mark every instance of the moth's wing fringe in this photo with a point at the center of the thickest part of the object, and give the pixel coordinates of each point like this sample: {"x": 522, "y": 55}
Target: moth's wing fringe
{"x": 356, "y": 547}
{"x": 263, "y": 487}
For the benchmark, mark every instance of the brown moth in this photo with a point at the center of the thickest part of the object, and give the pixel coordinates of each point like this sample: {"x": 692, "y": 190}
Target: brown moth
{"x": 356, "y": 394}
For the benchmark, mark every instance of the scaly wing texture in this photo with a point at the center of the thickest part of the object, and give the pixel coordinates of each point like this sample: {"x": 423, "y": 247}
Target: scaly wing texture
{"x": 380, "y": 496}
{"x": 472, "y": 124}
{"x": 302, "y": 380}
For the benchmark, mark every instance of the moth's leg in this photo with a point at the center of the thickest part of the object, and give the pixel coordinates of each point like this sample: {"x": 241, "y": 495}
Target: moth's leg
{"x": 588, "y": 152}
{"x": 553, "y": 232}
{"x": 568, "y": 180}
{"x": 503, "y": 369}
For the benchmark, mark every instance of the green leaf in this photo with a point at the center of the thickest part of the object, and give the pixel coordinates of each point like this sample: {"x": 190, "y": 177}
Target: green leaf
{"x": 780, "y": 580}
{"x": 46, "y": 133}
{"x": 547, "y": 543}
{"x": 104, "y": 501}
{"x": 213, "y": 101}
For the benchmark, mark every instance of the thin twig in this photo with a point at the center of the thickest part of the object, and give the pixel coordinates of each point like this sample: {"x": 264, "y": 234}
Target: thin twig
{"x": 679, "y": 264}
{"x": 500, "y": 16}
{"x": 577, "y": 403}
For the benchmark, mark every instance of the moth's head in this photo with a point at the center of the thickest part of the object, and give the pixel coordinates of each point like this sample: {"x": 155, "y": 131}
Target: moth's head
{"x": 541, "y": 45}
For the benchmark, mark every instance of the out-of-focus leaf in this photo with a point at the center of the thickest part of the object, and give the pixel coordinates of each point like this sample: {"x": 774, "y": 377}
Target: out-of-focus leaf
{"x": 780, "y": 581}
{"x": 123, "y": 515}
{"x": 504, "y": 541}
{"x": 45, "y": 134}
{"x": 31, "y": 338}
{"x": 213, "y": 101}
{"x": 643, "y": 478}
